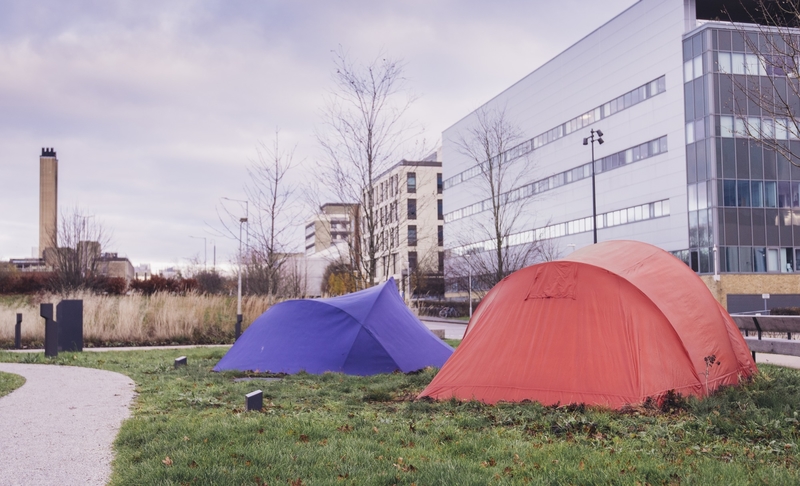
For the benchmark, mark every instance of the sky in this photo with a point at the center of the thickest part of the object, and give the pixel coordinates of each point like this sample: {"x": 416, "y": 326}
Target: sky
{"x": 156, "y": 108}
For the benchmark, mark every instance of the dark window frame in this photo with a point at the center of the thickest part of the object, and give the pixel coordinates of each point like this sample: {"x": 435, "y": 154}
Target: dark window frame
{"x": 411, "y": 187}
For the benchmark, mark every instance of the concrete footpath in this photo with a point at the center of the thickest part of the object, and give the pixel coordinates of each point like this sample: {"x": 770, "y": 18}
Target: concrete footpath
{"x": 59, "y": 427}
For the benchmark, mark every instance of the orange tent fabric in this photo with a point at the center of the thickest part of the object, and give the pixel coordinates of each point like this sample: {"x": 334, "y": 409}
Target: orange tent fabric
{"x": 610, "y": 325}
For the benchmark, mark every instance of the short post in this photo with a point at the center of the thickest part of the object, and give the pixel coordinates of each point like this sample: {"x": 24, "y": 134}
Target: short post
{"x": 238, "y": 330}
{"x": 254, "y": 401}
{"x": 18, "y": 333}
{"x": 180, "y": 362}
{"x": 50, "y": 330}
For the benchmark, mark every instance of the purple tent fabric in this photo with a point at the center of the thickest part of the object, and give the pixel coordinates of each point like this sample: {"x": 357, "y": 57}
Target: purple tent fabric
{"x": 363, "y": 333}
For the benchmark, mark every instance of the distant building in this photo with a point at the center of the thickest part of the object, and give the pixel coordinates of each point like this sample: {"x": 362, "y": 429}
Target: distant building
{"x": 407, "y": 203}
{"x": 142, "y": 272}
{"x": 29, "y": 264}
{"x": 334, "y": 223}
{"x": 317, "y": 263}
{"x": 114, "y": 266}
{"x": 170, "y": 272}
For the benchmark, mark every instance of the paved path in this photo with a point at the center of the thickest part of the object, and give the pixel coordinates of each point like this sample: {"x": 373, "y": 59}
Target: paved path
{"x": 778, "y": 359}
{"x": 59, "y": 426}
{"x": 453, "y": 329}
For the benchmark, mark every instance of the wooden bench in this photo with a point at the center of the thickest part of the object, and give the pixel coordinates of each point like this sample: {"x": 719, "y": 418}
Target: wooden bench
{"x": 755, "y": 326}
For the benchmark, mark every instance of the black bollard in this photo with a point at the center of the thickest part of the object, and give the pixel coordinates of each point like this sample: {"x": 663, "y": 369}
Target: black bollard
{"x": 50, "y": 331}
{"x": 254, "y": 401}
{"x": 238, "y": 326}
{"x": 18, "y": 333}
{"x": 70, "y": 325}
{"x": 180, "y": 362}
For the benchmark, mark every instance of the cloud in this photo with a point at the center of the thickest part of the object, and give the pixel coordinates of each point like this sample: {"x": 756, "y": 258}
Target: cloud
{"x": 155, "y": 108}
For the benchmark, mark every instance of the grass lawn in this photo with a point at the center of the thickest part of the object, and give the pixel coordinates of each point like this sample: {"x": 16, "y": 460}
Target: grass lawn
{"x": 189, "y": 427}
{"x": 9, "y": 382}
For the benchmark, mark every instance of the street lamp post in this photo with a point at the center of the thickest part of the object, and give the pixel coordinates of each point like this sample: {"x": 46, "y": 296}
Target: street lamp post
{"x": 238, "y": 328}
{"x": 205, "y": 250}
{"x": 586, "y": 141}
{"x": 239, "y": 295}
{"x": 246, "y": 217}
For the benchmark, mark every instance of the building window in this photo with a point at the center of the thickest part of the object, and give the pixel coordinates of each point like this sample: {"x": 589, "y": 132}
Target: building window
{"x": 441, "y": 235}
{"x": 441, "y": 262}
{"x": 439, "y": 211}
{"x": 412, "y": 235}
{"x": 412, "y": 182}
{"x": 439, "y": 183}
{"x": 412, "y": 209}
{"x": 412, "y": 261}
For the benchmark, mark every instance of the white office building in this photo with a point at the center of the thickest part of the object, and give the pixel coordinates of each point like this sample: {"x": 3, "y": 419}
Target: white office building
{"x": 409, "y": 233}
{"x": 676, "y": 169}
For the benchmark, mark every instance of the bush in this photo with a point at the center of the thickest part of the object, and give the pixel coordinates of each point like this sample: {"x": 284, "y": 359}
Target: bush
{"x": 25, "y": 283}
{"x": 785, "y": 311}
{"x": 157, "y": 283}
{"x": 111, "y": 285}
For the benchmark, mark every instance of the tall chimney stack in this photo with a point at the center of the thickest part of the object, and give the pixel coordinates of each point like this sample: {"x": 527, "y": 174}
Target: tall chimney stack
{"x": 48, "y": 200}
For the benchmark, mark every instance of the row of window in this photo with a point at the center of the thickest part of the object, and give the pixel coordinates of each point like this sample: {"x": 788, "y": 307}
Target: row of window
{"x": 389, "y": 263}
{"x": 412, "y": 235}
{"x": 631, "y": 98}
{"x": 759, "y": 194}
{"x": 413, "y": 261}
{"x": 771, "y": 60}
{"x": 757, "y": 127}
{"x": 740, "y": 64}
{"x": 758, "y": 227}
{"x": 701, "y": 228}
{"x": 750, "y": 127}
{"x": 743, "y": 259}
{"x": 610, "y": 219}
{"x": 610, "y": 162}
{"x": 386, "y": 189}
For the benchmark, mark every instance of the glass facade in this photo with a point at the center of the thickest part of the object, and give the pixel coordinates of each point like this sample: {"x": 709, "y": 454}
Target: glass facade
{"x": 743, "y": 197}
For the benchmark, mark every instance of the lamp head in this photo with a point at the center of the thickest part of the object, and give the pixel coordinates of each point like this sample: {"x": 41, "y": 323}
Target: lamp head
{"x": 599, "y": 133}
{"x": 586, "y": 141}
{"x": 600, "y": 141}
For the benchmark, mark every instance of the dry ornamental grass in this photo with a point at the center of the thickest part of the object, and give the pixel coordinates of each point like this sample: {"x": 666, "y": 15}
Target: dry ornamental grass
{"x": 136, "y": 319}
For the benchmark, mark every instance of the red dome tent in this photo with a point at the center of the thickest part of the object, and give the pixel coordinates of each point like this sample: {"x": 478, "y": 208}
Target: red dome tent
{"x": 610, "y": 325}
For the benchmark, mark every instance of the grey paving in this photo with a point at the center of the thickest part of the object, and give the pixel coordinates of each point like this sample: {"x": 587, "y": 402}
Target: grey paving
{"x": 58, "y": 428}
{"x": 452, "y": 329}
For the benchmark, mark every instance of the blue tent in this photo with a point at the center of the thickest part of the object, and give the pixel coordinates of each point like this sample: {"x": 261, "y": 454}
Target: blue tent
{"x": 363, "y": 333}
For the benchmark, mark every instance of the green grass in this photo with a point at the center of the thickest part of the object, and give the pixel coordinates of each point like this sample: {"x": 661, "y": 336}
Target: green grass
{"x": 189, "y": 427}
{"x": 9, "y": 382}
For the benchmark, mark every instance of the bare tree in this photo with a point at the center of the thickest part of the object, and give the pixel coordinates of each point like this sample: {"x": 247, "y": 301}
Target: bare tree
{"x": 488, "y": 238}
{"x": 76, "y": 251}
{"x": 364, "y": 130}
{"x": 764, "y": 82}
{"x": 273, "y": 212}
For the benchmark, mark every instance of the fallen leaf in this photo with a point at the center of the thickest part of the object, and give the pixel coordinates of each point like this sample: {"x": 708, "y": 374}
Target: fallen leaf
{"x": 167, "y": 461}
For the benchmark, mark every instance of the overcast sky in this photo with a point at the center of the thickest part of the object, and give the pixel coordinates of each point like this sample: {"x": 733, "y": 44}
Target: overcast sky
{"x": 155, "y": 108}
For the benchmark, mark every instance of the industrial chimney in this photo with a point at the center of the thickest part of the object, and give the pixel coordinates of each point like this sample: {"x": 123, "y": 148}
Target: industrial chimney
{"x": 48, "y": 200}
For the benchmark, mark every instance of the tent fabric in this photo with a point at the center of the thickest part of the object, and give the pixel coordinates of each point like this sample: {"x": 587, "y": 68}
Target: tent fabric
{"x": 363, "y": 333}
{"x": 610, "y": 325}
